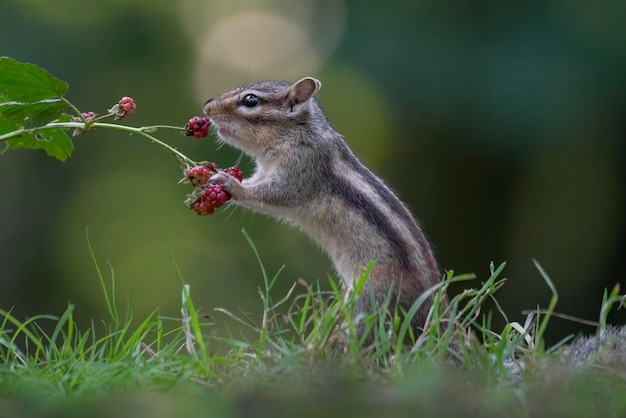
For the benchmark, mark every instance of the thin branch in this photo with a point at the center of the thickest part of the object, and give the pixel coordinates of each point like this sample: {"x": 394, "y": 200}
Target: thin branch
{"x": 143, "y": 131}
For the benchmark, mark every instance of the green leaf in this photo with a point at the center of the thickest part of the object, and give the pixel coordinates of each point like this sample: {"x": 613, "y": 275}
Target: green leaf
{"x": 30, "y": 97}
{"x": 22, "y": 82}
{"x": 55, "y": 142}
{"x": 30, "y": 115}
{"x": 7, "y": 126}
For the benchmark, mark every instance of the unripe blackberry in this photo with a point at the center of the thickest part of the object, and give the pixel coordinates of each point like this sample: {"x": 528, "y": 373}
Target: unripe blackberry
{"x": 197, "y": 127}
{"x": 203, "y": 208}
{"x": 125, "y": 107}
{"x": 199, "y": 175}
{"x": 235, "y": 172}
{"x": 127, "y": 104}
{"x": 89, "y": 116}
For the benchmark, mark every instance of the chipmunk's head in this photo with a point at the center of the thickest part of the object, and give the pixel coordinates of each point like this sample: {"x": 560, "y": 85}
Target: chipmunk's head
{"x": 258, "y": 116}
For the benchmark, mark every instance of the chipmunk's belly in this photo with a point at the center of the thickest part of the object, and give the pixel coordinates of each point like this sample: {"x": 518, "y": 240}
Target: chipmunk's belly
{"x": 347, "y": 237}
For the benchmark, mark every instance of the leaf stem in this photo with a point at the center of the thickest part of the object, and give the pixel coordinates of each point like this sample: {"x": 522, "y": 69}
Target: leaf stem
{"x": 74, "y": 108}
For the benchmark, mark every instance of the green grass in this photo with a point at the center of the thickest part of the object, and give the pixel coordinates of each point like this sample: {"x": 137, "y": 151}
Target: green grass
{"x": 297, "y": 358}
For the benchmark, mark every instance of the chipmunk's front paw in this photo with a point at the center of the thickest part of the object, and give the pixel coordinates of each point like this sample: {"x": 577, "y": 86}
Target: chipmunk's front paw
{"x": 228, "y": 182}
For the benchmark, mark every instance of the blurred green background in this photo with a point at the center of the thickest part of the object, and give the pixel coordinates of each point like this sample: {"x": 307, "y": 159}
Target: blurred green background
{"x": 500, "y": 124}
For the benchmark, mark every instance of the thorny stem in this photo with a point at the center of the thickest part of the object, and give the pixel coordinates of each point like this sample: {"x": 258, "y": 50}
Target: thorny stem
{"x": 184, "y": 161}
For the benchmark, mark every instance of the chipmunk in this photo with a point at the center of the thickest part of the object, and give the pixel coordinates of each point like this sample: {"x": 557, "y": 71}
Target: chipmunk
{"x": 307, "y": 176}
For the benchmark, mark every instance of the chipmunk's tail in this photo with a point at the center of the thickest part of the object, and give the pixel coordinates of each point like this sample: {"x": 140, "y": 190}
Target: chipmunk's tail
{"x": 606, "y": 349}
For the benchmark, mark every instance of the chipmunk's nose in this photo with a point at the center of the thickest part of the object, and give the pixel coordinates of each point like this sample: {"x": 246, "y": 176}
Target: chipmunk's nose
{"x": 206, "y": 105}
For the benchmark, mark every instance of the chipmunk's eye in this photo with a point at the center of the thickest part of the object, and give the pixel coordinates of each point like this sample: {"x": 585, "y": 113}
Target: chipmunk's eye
{"x": 250, "y": 100}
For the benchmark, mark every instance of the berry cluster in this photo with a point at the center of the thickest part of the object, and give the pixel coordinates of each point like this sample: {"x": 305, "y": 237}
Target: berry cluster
{"x": 125, "y": 107}
{"x": 235, "y": 172}
{"x": 199, "y": 175}
{"x": 211, "y": 196}
{"x": 197, "y": 127}
{"x": 89, "y": 117}
{"x": 127, "y": 104}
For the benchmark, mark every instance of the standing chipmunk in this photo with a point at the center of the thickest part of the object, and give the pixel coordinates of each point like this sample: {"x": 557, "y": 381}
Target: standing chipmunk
{"x": 307, "y": 176}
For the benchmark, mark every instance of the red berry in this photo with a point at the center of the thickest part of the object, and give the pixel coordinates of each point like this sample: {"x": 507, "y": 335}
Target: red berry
{"x": 235, "y": 172}
{"x": 214, "y": 195}
{"x": 197, "y": 127}
{"x": 89, "y": 117}
{"x": 199, "y": 175}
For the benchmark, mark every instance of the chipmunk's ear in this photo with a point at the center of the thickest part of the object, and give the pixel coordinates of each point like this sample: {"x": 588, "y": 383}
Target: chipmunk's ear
{"x": 302, "y": 90}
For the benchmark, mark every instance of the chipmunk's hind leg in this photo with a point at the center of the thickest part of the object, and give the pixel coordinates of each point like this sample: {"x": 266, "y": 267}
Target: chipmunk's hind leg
{"x": 381, "y": 310}
{"x": 376, "y": 307}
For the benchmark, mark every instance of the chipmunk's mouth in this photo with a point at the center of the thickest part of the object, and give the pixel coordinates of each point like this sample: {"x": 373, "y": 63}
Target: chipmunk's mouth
{"x": 224, "y": 133}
